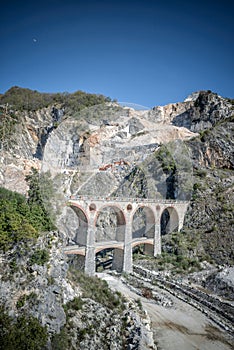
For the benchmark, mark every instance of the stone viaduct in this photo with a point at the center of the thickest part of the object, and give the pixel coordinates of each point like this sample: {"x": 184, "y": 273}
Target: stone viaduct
{"x": 89, "y": 244}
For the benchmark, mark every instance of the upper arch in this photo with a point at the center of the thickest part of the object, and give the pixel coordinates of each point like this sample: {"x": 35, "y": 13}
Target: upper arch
{"x": 82, "y": 230}
{"x": 169, "y": 220}
{"x": 118, "y": 211}
{"x": 114, "y": 229}
{"x": 149, "y": 218}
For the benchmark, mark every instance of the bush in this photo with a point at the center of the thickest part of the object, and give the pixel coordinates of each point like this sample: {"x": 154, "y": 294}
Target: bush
{"x": 24, "y": 333}
{"x": 60, "y": 341}
{"x": 75, "y": 304}
{"x": 39, "y": 257}
{"x": 164, "y": 156}
{"x": 39, "y": 215}
{"x": 21, "y": 301}
{"x": 201, "y": 173}
{"x": 139, "y": 303}
{"x": 8, "y": 125}
{"x": 204, "y": 134}
{"x": 98, "y": 290}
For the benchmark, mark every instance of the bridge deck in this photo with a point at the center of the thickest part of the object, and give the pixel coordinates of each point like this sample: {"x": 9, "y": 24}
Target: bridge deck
{"x": 76, "y": 249}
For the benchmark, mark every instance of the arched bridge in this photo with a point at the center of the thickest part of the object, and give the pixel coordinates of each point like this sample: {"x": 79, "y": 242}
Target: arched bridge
{"x": 159, "y": 216}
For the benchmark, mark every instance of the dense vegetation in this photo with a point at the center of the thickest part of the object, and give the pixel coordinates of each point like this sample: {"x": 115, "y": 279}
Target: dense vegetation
{"x": 31, "y": 100}
{"x": 8, "y": 122}
{"x": 24, "y": 332}
{"x": 22, "y": 218}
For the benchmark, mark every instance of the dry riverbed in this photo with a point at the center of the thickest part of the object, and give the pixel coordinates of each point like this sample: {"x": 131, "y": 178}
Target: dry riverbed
{"x": 179, "y": 327}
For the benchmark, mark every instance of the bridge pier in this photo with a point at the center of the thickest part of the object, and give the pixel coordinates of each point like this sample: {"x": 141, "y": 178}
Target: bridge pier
{"x": 149, "y": 249}
{"x": 127, "y": 265}
{"x": 90, "y": 265}
{"x": 157, "y": 240}
{"x": 118, "y": 257}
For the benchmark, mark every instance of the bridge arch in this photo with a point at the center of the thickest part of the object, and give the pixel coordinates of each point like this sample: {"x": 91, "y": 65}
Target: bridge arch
{"x": 169, "y": 220}
{"x": 143, "y": 222}
{"x": 143, "y": 248}
{"x": 139, "y": 243}
{"x": 110, "y": 224}
{"x": 143, "y": 230}
{"x": 82, "y": 229}
{"x": 110, "y": 258}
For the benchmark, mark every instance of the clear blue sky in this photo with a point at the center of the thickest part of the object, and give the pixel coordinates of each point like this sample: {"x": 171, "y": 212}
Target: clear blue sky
{"x": 147, "y": 52}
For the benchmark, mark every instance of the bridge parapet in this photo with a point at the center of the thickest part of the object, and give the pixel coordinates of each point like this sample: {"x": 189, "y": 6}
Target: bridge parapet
{"x": 127, "y": 200}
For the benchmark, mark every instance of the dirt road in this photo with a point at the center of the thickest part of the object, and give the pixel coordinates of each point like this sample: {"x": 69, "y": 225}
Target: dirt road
{"x": 180, "y": 327}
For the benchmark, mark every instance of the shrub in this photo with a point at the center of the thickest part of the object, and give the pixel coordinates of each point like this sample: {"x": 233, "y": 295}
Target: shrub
{"x": 201, "y": 173}
{"x": 139, "y": 303}
{"x": 21, "y": 301}
{"x": 75, "y": 304}
{"x": 60, "y": 341}
{"x": 204, "y": 134}
{"x": 39, "y": 215}
{"x": 15, "y": 220}
{"x": 39, "y": 257}
{"x": 164, "y": 156}
{"x": 8, "y": 125}
{"x": 24, "y": 333}
{"x": 98, "y": 290}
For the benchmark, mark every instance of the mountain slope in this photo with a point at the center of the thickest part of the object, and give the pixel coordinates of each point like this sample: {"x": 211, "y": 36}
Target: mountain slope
{"x": 181, "y": 151}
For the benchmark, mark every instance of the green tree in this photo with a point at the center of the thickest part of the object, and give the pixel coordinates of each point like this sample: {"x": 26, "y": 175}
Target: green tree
{"x": 15, "y": 223}
{"x": 39, "y": 217}
{"x": 22, "y": 219}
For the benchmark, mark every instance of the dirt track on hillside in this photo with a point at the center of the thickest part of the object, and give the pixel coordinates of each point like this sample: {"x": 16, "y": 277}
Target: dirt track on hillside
{"x": 181, "y": 327}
